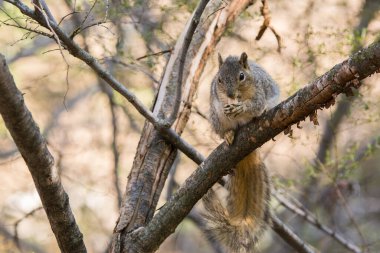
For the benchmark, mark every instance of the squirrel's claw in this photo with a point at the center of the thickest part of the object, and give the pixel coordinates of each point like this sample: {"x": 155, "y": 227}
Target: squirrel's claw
{"x": 229, "y": 136}
{"x": 233, "y": 110}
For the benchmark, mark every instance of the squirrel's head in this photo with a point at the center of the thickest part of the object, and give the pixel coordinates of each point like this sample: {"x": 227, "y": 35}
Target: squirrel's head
{"x": 234, "y": 75}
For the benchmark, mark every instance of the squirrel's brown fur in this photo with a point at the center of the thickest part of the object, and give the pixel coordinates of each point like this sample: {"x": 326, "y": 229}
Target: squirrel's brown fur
{"x": 234, "y": 102}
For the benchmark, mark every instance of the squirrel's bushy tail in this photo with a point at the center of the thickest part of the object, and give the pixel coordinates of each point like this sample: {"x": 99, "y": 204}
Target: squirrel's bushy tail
{"x": 239, "y": 225}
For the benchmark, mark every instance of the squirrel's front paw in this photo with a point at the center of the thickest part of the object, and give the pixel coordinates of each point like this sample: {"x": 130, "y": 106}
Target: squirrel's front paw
{"x": 229, "y": 136}
{"x": 233, "y": 110}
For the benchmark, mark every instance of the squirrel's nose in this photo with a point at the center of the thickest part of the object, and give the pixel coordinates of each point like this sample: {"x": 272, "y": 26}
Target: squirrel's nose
{"x": 230, "y": 93}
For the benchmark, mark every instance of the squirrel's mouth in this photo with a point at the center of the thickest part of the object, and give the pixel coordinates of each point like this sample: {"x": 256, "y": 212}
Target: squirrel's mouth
{"x": 232, "y": 100}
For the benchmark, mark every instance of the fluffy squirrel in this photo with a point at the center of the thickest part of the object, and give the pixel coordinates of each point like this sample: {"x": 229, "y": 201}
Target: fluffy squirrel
{"x": 240, "y": 91}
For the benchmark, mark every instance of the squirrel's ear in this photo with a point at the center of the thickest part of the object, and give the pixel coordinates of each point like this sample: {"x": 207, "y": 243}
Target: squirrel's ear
{"x": 244, "y": 60}
{"x": 220, "y": 60}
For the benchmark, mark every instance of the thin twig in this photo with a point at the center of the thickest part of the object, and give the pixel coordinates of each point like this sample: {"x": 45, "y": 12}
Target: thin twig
{"x": 98, "y": 23}
{"x": 135, "y": 67}
{"x": 18, "y": 25}
{"x": 116, "y": 154}
{"x": 201, "y": 114}
{"x": 350, "y": 214}
{"x": 15, "y": 225}
{"x": 38, "y": 44}
{"x": 14, "y": 158}
{"x": 266, "y": 24}
{"x": 289, "y": 236}
{"x": 309, "y": 217}
{"x": 132, "y": 121}
{"x": 87, "y": 15}
{"x": 6, "y": 235}
{"x": 42, "y": 9}
{"x": 115, "y": 150}
{"x": 46, "y": 14}
{"x": 359, "y": 155}
{"x": 155, "y": 54}
{"x": 33, "y": 30}
{"x": 67, "y": 15}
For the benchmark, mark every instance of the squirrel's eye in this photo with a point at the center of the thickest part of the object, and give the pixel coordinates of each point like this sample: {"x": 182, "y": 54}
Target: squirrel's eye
{"x": 241, "y": 76}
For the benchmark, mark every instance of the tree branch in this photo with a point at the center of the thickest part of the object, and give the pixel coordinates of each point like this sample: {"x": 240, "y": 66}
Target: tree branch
{"x": 309, "y": 217}
{"x": 289, "y": 236}
{"x": 40, "y": 162}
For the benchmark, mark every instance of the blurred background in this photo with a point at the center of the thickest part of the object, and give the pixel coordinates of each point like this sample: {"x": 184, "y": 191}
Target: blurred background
{"x": 329, "y": 172}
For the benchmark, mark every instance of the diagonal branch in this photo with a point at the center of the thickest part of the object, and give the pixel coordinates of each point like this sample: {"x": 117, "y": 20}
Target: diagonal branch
{"x": 40, "y": 162}
{"x": 289, "y": 236}
{"x": 309, "y": 217}
{"x": 317, "y": 95}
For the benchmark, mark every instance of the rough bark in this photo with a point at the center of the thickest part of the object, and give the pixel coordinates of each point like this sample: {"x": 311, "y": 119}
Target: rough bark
{"x": 304, "y": 103}
{"x": 32, "y": 146}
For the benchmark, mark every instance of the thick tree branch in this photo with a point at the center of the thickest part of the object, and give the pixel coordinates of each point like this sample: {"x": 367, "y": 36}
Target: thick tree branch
{"x": 40, "y": 162}
{"x": 317, "y": 95}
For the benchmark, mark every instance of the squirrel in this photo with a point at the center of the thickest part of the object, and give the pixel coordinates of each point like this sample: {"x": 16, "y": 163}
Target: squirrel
{"x": 240, "y": 91}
